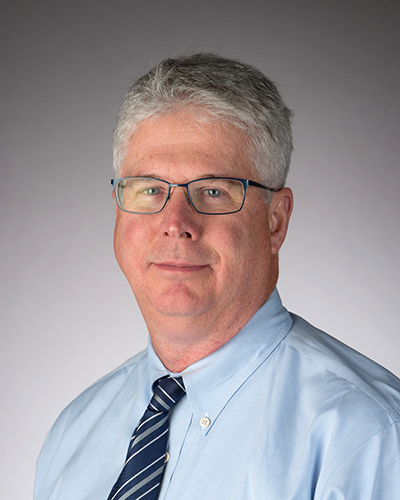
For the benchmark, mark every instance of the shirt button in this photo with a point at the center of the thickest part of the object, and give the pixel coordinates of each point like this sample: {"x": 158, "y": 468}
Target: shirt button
{"x": 205, "y": 422}
{"x": 166, "y": 457}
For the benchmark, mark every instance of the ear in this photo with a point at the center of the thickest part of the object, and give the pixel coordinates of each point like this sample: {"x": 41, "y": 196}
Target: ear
{"x": 279, "y": 212}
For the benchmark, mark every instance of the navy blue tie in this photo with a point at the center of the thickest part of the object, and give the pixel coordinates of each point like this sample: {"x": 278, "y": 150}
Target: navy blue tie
{"x": 141, "y": 476}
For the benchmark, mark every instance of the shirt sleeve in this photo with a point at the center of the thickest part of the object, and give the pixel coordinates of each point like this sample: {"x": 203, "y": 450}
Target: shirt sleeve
{"x": 48, "y": 451}
{"x": 371, "y": 472}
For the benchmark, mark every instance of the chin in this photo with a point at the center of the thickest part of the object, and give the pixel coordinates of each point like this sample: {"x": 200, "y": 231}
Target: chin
{"x": 180, "y": 308}
{"x": 180, "y": 303}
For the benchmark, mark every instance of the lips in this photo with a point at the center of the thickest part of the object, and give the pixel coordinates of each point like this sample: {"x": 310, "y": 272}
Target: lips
{"x": 178, "y": 266}
{"x": 179, "y": 260}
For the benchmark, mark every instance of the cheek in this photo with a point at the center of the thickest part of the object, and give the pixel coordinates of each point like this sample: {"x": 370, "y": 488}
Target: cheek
{"x": 243, "y": 247}
{"x": 257, "y": 251}
{"x": 127, "y": 238}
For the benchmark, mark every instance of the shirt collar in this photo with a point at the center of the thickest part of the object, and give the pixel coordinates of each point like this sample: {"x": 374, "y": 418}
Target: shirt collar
{"x": 213, "y": 380}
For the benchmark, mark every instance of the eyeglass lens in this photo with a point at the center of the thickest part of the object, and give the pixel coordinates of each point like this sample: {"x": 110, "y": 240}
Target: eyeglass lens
{"x": 212, "y": 196}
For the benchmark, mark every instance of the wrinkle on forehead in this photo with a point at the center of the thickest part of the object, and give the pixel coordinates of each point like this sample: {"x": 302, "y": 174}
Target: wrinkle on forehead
{"x": 158, "y": 141}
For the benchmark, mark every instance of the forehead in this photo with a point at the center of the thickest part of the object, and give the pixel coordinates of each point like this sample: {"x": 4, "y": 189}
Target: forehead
{"x": 181, "y": 146}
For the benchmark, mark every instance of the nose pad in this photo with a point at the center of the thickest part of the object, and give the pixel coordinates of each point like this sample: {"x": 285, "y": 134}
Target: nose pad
{"x": 179, "y": 220}
{"x": 186, "y": 195}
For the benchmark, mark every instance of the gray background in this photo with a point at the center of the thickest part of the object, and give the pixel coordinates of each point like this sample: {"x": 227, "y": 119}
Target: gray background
{"x": 68, "y": 316}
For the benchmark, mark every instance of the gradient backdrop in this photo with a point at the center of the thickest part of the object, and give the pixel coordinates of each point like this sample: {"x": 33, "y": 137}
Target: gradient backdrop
{"x": 68, "y": 316}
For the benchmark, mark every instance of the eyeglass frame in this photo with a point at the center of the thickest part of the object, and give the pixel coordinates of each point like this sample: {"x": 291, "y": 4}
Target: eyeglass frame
{"x": 245, "y": 182}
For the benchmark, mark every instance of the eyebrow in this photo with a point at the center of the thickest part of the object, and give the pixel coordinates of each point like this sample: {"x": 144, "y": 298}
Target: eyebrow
{"x": 205, "y": 176}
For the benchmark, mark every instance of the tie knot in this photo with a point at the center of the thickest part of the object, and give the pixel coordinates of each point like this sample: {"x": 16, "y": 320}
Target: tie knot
{"x": 167, "y": 391}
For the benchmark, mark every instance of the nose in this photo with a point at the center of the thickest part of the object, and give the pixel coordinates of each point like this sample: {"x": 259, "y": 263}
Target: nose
{"x": 179, "y": 218}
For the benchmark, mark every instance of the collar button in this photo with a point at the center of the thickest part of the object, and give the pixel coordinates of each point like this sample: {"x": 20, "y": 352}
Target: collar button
{"x": 205, "y": 422}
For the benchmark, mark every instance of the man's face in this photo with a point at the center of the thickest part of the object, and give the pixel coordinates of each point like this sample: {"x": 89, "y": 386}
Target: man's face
{"x": 183, "y": 265}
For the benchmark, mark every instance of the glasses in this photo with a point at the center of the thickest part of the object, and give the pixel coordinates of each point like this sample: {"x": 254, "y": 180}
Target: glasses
{"x": 211, "y": 196}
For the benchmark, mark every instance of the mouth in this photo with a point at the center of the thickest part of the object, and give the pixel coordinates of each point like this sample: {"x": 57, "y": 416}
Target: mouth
{"x": 179, "y": 267}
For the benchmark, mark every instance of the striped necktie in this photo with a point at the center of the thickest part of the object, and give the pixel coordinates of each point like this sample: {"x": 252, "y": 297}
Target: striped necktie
{"x": 141, "y": 476}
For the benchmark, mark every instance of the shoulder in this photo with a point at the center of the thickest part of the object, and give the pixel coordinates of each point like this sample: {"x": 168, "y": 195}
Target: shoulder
{"x": 92, "y": 403}
{"x": 349, "y": 407}
{"x": 101, "y": 409}
{"x": 370, "y": 382}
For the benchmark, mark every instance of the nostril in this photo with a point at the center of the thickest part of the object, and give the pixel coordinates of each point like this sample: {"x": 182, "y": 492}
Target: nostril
{"x": 177, "y": 234}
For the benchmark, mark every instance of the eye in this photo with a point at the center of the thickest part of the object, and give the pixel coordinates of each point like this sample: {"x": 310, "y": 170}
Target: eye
{"x": 212, "y": 192}
{"x": 151, "y": 191}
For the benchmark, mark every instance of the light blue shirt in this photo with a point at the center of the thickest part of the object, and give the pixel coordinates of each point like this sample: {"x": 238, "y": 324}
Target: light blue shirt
{"x": 281, "y": 412}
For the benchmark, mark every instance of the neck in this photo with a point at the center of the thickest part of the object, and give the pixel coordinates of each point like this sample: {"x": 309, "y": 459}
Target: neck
{"x": 182, "y": 341}
{"x": 180, "y": 347}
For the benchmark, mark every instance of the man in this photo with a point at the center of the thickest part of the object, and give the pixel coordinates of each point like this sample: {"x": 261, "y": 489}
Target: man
{"x": 268, "y": 406}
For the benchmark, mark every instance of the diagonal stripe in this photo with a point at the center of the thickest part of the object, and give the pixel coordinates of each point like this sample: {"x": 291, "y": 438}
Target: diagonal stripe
{"x": 138, "y": 478}
{"x": 162, "y": 403}
{"x": 144, "y": 422}
{"x": 146, "y": 445}
{"x": 178, "y": 383}
{"x": 151, "y": 429}
{"x": 136, "y": 475}
{"x": 142, "y": 483}
{"x": 168, "y": 396}
{"x": 149, "y": 491}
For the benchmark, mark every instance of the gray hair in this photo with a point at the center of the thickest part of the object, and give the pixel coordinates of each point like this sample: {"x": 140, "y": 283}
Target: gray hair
{"x": 222, "y": 89}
